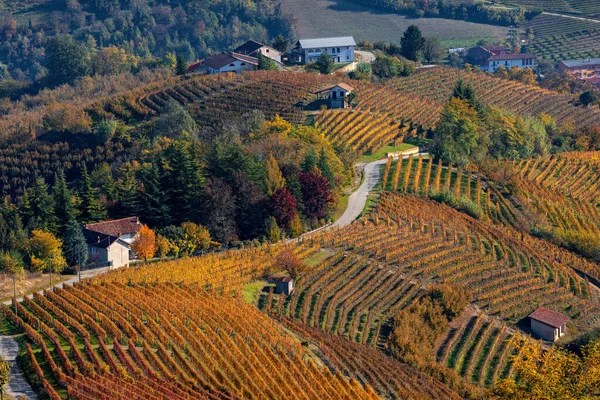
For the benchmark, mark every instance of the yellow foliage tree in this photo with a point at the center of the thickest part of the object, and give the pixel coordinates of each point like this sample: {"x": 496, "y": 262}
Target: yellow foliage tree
{"x": 66, "y": 118}
{"x": 46, "y": 252}
{"x": 145, "y": 245}
{"x": 112, "y": 60}
{"x": 274, "y": 179}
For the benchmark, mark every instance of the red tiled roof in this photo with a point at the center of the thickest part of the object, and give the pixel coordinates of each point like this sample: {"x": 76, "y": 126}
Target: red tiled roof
{"x": 549, "y": 317}
{"x": 344, "y": 86}
{"x": 286, "y": 279}
{"x": 495, "y": 49}
{"x": 221, "y": 60}
{"x": 194, "y": 67}
{"x": 116, "y": 227}
{"x": 511, "y": 56}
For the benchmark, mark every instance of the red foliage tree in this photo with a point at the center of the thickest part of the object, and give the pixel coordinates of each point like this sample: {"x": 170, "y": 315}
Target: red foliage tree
{"x": 283, "y": 207}
{"x": 316, "y": 194}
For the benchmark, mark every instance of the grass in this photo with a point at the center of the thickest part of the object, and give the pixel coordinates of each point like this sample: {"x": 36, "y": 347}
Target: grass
{"x": 317, "y": 258}
{"x": 33, "y": 283}
{"x": 329, "y": 18}
{"x": 466, "y": 42}
{"x": 341, "y": 207}
{"x": 251, "y": 291}
{"x": 387, "y": 149}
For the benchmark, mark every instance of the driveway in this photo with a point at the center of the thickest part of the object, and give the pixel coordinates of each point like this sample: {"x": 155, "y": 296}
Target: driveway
{"x": 364, "y": 56}
{"x": 17, "y": 386}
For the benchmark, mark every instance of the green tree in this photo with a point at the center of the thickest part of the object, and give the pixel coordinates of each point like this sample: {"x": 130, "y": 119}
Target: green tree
{"x": 323, "y": 165}
{"x": 39, "y": 207}
{"x": 174, "y": 120}
{"x": 310, "y": 160}
{"x": 588, "y": 98}
{"x": 325, "y": 64}
{"x": 433, "y": 52}
{"x": 75, "y": 246}
{"x": 64, "y": 208}
{"x": 412, "y": 43}
{"x": 66, "y": 60}
{"x": 181, "y": 65}
{"x": 105, "y": 130}
{"x": 281, "y": 43}
{"x": 90, "y": 208}
{"x": 266, "y": 63}
{"x": 458, "y": 137}
{"x": 464, "y": 91}
{"x": 363, "y": 72}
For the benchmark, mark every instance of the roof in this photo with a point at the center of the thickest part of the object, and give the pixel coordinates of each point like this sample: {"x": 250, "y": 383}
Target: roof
{"x": 97, "y": 239}
{"x": 344, "y": 86}
{"x": 549, "y": 317}
{"x": 327, "y": 42}
{"x": 495, "y": 49}
{"x": 116, "y": 227}
{"x": 286, "y": 279}
{"x": 511, "y": 56}
{"x": 194, "y": 67}
{"x": 223, "y": 59}
{"x": 581, "y": 63}
{"x": 251, "y": 47}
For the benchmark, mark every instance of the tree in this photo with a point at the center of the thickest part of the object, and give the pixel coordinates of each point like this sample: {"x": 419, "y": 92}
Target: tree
{"x": 221, "y": 219}
{"x": 174, "y": 120}
{"x": 46, "y": 253}
{"x": 433, "y": 51}
{"x": 266, "y": 63}
{"x": 281, "y": 43}
{"x": 283, "y": 207}
{"x": 310, "y": 160}
{"x": 316, "y": 194}
{"x": 12, "y": 263}
{"x": 455, "y": 60}
{"x": 272, "y": 230}
{"x": 289, "y": 262}
{"x": 195, "y": 238}
{"x": 105, "y": 130}
{"x": 90, "y": 208}
{"x": 412, "y": 43}
{"x": 39, "y": 207}
{"x": 75, "y": 246}
{"x": 145, "y": 244}
{"x": 363, "y": 72}
{"x": 325, "y": 64}
{"x": 64, "y": 209}
{"x": 66, "y": 118}
{"x": 589, "y": 97}
{"x": 4, "y": 376}
{"x": 458, "y": 134}
{"x": 296, "y": 227}
{"x": 274, "y": 178}
{"x": 390, "y": 67}
{"x": 66, "y": 60}
{"x": 112, "y": 60}
{"x": 464, "y": 91}
{"x": 163, "y": 246}
{"x": 181, "y": 65}
{"x": 323, "y": 165}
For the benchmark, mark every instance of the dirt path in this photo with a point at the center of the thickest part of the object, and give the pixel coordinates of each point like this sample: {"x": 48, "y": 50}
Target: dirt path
{"x": 17, "y": 386}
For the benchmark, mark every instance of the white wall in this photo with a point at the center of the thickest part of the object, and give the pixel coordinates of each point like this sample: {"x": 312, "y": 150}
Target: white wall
{"x": 118, "y": 254}
{"x": 494, "y": 65}
{"x": 345, "y": 55}
{"x": 235, "y": 66}
{"x": 271, "y": 53}
{"x": 544, "y": 331}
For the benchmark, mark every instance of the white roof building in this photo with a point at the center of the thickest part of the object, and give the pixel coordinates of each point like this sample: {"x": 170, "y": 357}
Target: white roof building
{"x": 341, "y": 49}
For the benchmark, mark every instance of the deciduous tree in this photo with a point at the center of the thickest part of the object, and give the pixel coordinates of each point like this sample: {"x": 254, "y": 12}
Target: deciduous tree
{"x": 145, "y": 244}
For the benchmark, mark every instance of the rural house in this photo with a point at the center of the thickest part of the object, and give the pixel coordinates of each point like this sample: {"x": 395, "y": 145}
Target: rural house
{"x": 339, "y": 95}
{"x": 285, "y": 286}
{"x": 587, "y": 70}
{"x": 309, "y": 50}
{"x": 548, "y": 324}
{"x": 228, "y": 62}
{"x": 253, "y": 48}
{"x": 490, "y": 58}
{"x": 109, "y": 242}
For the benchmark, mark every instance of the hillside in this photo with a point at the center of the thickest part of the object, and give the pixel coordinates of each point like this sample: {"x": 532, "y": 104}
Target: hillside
{"x": 578, "y": 45}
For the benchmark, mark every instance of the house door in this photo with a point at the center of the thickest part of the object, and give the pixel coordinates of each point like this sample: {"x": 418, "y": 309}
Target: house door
{"x": 337, "y": 59}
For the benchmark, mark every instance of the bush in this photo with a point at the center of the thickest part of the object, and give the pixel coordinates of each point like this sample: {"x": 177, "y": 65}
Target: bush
{"x": 461, "y": 204}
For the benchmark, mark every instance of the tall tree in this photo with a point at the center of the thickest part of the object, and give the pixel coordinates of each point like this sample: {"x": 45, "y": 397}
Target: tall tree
{"x": 323, "y": 165}
{"x": 222, "y": 211}
{"x": 90, "y": 209}
{"x": 281, "y": 43}
{"x": 75, "y": 246}
{"x": 272, "y": 230}
{"x": 316, "y": 194}
{"x": 66, "y": 60}
{"x": 45, "y": 251}
{"x": 181, "y": 67}
{"x": 145, "y": 244}
{"x": 464, "y": 91}
{"x": 152, "y": 207}
{"x": 274, "y": 178}
{"x": 325, "y": 64}
{"x": 433, "y": 51}
{"x": 64, "y": 208}
{"x": 39, "y": 208}
{"x": 283, "y": 207}
{"x": 412, "y": 43}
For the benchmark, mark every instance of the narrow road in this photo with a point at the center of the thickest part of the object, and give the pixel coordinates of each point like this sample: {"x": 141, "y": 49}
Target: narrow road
{"x": 17, "y": 386}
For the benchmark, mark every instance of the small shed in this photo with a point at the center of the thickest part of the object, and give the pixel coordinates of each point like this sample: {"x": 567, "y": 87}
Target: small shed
{"x": 339, "y": 95}
{"x": 548, "y": 324}
{"x": 285, "y": 286}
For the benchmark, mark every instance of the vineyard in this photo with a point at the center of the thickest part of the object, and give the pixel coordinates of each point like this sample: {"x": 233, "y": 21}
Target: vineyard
{"x": 578, "y": 45}
{"x": 437, "y": 83}
{"x": 549, "y": 25}
{"x": 582, "y": 7}
{"x": 544, "y": 197}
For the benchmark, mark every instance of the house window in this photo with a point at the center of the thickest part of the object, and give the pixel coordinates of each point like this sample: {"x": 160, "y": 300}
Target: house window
{"x": 347, "y": 57}
{"x": 243, "y": 64}
{"x": 267, "y": 50}
{"x": 232, "y": 65}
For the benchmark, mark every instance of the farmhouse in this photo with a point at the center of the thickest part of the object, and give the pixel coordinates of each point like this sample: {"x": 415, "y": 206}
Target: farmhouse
{"x": 339, "y": 95}
{"x": 490, "y": 58}
{"x": 109, "y": 242}
{"x": 230, "y": 62}
{"x": 253, "y": 48}
{"x": 548, "y": 324}
{"x": 586, "y": 69}
{"x": 284, "y": 285}
{"x": 340, "y": 48}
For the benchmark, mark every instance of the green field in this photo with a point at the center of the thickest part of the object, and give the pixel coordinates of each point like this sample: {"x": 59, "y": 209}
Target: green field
{"x": 327, "y": 18}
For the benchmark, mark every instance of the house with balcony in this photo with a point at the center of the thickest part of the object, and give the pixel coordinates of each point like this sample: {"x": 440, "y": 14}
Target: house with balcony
{"x": 341, "y": 49}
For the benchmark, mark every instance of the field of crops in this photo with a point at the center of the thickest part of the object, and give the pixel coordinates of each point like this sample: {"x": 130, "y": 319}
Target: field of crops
{"x": 584, "y": 44}
{"x": 549, "y": 25}
{"x": 581, "y": 7}
{"x": 437, "y": 84}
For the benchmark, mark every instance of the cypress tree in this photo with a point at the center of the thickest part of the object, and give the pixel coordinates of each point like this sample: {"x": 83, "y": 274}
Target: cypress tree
{"x": 63, "y": 203}
{"x": 323, "y": 165}
{"x": 90, "y": 209}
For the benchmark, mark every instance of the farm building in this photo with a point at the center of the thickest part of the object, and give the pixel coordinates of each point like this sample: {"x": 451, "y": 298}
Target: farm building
{"x": 284, "y": 285}
{"x": 109, "y": 242}
{"x": 339, "y": 95}
{"x": 586, "y": 69}
{"x": 309, "y": 50}
{"x": 490, "y": 58}
{"x": 548, "y": 324}
{"x": 252, "y": 48}
{"x": 230, "y": 62}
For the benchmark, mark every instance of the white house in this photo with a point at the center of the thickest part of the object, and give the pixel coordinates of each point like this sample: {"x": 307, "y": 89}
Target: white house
{"x": 519, "y": 60}
{"x": 109, "y": 242}
{"x": 284, "y": 286}
{"x": 230, "y": 62}
{"x": 548, "y": 324}
{"x": 338, "y": 94}
{"x": 340, "y": 48}
{"x": 253, "y": 48}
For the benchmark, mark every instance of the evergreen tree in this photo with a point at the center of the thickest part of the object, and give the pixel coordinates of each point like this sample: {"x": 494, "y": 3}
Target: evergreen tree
{"x": 323, "y": 165}
{"x": 412, "y": 43}
{"x": 66, "y": 60}
{"x": 181, "y": 67}
{"x": 127, "y": 192}
{"x": 75, "y": 246}
{"x": 152, "y": 208}
{"x": 281, "y": 43}
{"x": 266, "y": 63}
{"x": 274, "y": 179}
{"x": 272, "y": 230}
{"x": 310, "y": 161}
{"x": 465, "y": 91}
{"x": 90, "y": 208}
{"x": 296, "y": 226}
{"x": 63, "y": 203}
{"x": 40, "y": 207}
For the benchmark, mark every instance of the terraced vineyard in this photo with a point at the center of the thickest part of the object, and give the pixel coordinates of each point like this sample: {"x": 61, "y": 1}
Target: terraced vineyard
{"x": 577, "y": 45}
{"x": 550, "y": 25}
{"x": 109, "y": 341}
{"x": 583, "y": 7}
{"x": 437, "y": 84}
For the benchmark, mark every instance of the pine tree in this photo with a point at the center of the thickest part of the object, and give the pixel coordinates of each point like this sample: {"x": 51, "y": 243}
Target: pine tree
{"x": 63, "y": 203}
{"x": 40, "y": 207}
{"x": 75, "y": 246}
{"x": 412, "y": 43}
{"x": 323, "y": 165}
{"x": 296, "y": 226}
{"x": 150, "y": 198}
{"x": 91, "y": 210}
{"x": 310, "y": 161}
{"x": 127, "y": 192}
{"x": 181, "y": 66}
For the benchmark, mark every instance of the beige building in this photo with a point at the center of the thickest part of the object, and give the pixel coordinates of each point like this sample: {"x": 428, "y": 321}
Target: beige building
{"x": 109, "y": 242}
{"x": 548, "y": 324}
